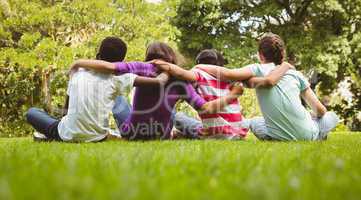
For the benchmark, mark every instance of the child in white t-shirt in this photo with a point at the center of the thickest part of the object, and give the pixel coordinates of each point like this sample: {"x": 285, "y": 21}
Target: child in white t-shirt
{"x": 91, "y": 98}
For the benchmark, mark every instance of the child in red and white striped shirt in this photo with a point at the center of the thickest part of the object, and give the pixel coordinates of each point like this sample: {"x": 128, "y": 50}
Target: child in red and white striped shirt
{"x": 226, "y": 121}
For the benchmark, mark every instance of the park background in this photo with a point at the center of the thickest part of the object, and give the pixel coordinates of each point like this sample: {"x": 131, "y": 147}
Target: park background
{"x": 39, "y": 39}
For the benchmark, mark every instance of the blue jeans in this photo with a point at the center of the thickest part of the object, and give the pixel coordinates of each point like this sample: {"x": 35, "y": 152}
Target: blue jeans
{"x": 325, "y": 124}
{"x": 121, "y": 111}
{"x": 43, "y": 123}
{"x": 188, "y": 126}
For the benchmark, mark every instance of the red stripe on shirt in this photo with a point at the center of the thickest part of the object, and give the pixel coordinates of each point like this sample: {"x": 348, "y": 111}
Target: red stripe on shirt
{"x": 229, "y": 117}
{"x": 226, "y": 130}
{"x": 213, "y": 83}
{"x": 212, "y": 97}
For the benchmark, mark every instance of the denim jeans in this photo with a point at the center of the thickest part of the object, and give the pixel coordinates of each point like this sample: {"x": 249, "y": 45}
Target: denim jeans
{"x": 188, "y": 126}
{"x": 121, "y": 111}
{"x": 326, "y": 123}
{"x": 43, "y": 123}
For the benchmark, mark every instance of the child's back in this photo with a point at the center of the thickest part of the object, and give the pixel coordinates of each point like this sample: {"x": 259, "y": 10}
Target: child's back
{"x": 285, "y": 116}
{"x": 91, "y": 98}
{"x": 151, "y": 115}
{"x": 226, "y": 122}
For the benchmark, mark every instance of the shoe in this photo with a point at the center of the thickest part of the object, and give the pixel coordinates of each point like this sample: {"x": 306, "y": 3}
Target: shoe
{"x": 176, "y": 134}
{"x": 114, "y": 135}
{"x": 39, "y": 137}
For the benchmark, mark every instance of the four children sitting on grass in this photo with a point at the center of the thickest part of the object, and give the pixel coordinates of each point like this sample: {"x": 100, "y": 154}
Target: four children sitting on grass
{"x": 93, "y": 94}
{"x": 96, "y": 86}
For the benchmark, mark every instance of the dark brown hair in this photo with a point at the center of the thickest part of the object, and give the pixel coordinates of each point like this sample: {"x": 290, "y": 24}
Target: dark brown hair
{"x": 112, "y": 49}
{"x": 160, "y": 50}
{"x": 207, "y": 56}
{"x": 272, "y": 47}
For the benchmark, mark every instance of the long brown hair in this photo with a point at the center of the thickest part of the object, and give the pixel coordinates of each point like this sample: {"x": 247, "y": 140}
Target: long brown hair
{"x": 160, "y": 50}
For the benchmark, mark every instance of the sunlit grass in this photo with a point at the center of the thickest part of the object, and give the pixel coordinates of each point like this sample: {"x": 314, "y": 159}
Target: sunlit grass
{"x": 182, "y": 169}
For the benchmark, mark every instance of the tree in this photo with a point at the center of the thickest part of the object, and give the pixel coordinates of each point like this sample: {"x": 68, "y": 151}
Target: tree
{"x": 39, "y": 39}
{"x": 323, "y": 38}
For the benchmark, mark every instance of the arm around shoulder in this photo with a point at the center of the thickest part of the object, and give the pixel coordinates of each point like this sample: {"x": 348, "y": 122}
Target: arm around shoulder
{"x": 96, "y": 65}
{"x": 175, "y": 70}
{"x": 272, "y": 78}
{"x": 225, "y": 74}
{"x": 161, "y": 79}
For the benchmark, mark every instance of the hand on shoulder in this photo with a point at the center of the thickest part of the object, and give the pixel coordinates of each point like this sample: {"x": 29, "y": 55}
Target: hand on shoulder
{"x": 289, "y": 65}
{"x": 161, "y": 65}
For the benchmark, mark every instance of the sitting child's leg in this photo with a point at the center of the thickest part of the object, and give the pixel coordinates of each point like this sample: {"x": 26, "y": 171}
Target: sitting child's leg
{"x": 187, "y": 125}
{"x": 121, "y": 110}
{"x": 43, "y": 123}
{"x": 258, "y": 127}
{"x": 326, "y": 123}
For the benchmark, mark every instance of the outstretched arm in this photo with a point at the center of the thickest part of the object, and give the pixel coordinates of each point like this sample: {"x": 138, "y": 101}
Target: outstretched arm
{"x": 175, "y": 70}
{"x": 272, "y": 78}
{"x": 197, "y": 102}
{"x": 311, "y": 99}
{"x": 225, "y": 74}
{"x": 139, "y": 68}
{"x": 161, "y": 79}
{"x": 246, "y": 73}
{"x": 96, "y": 65}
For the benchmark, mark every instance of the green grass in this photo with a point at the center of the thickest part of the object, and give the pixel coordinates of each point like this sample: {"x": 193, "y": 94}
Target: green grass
{"x": 182, "y": 169}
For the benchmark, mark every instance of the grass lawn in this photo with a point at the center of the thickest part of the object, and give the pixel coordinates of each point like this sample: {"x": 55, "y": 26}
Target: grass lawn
{"x": 182, "y": 169}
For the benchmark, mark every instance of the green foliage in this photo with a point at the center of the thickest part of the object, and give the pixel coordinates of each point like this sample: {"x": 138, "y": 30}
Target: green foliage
{"x": 182, "y": 169}
{"x": 322, "y": 37}
{"x": 40, "y": 39}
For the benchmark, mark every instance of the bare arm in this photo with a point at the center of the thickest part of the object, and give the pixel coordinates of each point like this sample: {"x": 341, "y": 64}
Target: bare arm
{"x": 161, "y": 79}
{"x": 96, "y": 65}
{"x": 272, "y": 78}
{"x": 225, "y": 74}
{"x": 175, "y": 70}
{"x": 311, "y": 99}
{"x": 218, "y": 104}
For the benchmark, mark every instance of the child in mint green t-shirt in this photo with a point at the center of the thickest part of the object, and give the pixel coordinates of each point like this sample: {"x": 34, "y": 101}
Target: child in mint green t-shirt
{"x": 284, "y": 116}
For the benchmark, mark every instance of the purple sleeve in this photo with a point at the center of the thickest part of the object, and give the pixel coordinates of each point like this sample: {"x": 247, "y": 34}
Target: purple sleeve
{"x": 193, "y": 97}
{"x": 138, "y": 68}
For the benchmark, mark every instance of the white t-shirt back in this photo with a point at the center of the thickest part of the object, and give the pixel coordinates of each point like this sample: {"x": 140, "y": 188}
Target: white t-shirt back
{"x": 91, "y": 99}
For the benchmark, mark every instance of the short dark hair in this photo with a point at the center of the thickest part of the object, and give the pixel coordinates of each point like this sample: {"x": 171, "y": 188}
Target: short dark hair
{"x": 112, "y": 49}
{"x": 160, "y": 50}
{"x": 207, "y": 56}
{"x": 272, "y": 47}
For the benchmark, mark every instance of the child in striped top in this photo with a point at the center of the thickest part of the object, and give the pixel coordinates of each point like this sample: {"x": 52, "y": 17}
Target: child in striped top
{"x": 226, "y": 122}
